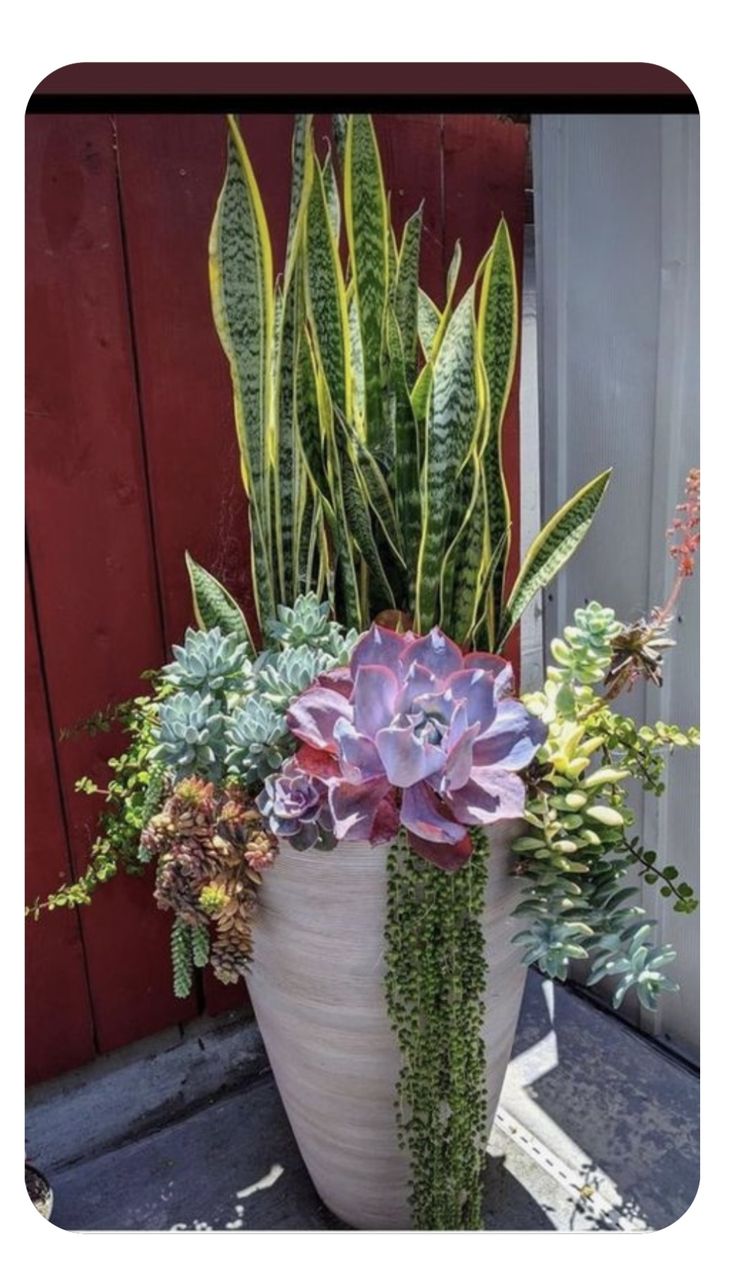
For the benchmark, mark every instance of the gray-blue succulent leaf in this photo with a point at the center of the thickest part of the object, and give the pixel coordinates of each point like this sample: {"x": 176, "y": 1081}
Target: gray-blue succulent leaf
{"x": 209, "y": 662}
{"x": 190, "y": 735}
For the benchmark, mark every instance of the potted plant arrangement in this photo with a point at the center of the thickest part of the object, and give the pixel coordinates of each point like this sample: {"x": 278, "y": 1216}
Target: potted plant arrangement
{"x": 350, "y": 805}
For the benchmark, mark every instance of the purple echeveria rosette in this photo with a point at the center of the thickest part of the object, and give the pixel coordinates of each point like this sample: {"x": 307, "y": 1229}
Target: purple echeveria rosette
{"x": 294, "y": 805}
{"x": 413, "y": 733}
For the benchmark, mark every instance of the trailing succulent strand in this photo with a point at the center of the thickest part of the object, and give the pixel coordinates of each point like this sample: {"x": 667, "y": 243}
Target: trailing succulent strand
{"x": 578, "y": 848}
{"x": 435, "y": 982}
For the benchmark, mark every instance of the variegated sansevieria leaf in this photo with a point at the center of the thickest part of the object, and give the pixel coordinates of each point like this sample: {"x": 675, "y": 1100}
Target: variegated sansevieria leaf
{"x": 339, "y": 133}
{"x": 551, "y": 549}
{"x": 498, "y": 324}
{"x": 332, "y": 195}
{"x": 214, "y": 606}
{"x": 462, "y": 564}
{"x": 405, "y": 292}
{"x": 302, "y": 158}
{"x": 453, "y": 270}
{"x": 309, "y": 540}
{"x": 377, "y": 493}
{"x": 366, "y": 220}
{"x": 478, "y": 636}
{"x": 428, "y": 320}
{"x": 326, "y": 296}
{"x": 287, "y": 466}
{"x": 358, "y": 517}
{"x": 406, "y": 432}
{"x": 312, "y": 443}
{"x": 289, "y": 320}
{"x": 450, "y": 433}
{"x": 335, "y": 511}
{"x": 357, "y": 377}
{"x": 420, "y": 391}
{"x": 463, "y": 571}
{"x": 241, "y": 285}
{"x": 392, "y": 255}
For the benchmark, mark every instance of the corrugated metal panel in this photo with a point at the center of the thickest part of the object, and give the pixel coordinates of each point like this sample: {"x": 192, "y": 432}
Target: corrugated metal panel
{"x": 617, "y": 277}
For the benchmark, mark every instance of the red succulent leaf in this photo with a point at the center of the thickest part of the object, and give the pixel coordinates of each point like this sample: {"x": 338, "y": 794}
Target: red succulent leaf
{"x": 449, "y": 856}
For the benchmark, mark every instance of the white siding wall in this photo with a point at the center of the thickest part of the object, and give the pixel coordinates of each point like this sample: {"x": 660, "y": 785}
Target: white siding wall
{"x": 616, "y": 211}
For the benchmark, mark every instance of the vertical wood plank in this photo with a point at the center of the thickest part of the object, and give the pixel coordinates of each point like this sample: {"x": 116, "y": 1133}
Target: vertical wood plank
{"x": 59, "y": 1029}
{"x": 89, "y": 532}
{"x": 484, "y": 178}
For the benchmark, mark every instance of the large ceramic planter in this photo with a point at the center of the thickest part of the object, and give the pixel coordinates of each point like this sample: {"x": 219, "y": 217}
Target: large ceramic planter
{"x": 317, "y": 990}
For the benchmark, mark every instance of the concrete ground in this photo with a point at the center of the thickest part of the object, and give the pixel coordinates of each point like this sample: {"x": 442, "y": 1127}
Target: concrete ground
{"x": 597, "y": 1129}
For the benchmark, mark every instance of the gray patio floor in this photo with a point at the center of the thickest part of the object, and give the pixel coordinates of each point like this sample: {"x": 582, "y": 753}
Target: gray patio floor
{"x": 598, "y": 1129}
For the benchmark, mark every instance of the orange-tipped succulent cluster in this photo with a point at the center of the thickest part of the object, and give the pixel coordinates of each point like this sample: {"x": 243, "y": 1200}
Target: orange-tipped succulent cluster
{"x": 211, "y": 848}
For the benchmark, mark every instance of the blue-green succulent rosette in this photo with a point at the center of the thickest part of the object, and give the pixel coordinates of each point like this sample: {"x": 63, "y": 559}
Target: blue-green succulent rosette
{"x": 412, "y": 733}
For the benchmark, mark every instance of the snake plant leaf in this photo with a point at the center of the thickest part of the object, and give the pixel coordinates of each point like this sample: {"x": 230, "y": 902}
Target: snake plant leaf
{"x": 309, "y": 432}
{"x": 289, "y": 321}
{"x": 326, "y": 296}
{"x": 450, "y": 433}
{"x": 498, "y": 318}
{"x": 366, "y": 220}
{"x": 405, "y": 291}
{"x": 453, "y": 270}
{"x": 287, "y": 473}
{"x": 302, "y": 158}
{"x": 465, "y": 570}
{"x": 392, "y": 255}
{"x": 334, "y": 510}
{"x": 356, "y": 364}
{"x": 310, "y": 540}
{"x": 339, "y": 134}
{"x": 406, "y": 432}
{"x": 214, "y": 605}
{"x": 477, "y": 636}
{"x": 241, "y": 286}
{"x": 428, "y": 320}
{"x": 420, "y": 391}
{"x": 377, "y": 493}
{"x": 332, "y": 195}
{"x": 358, "y": 518}
{"x": 551, "y": 549}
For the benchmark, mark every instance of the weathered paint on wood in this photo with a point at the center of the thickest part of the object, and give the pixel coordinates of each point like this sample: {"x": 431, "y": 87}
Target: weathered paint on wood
{"x": 55, "y": 970}
{"x": 88, "y": 530}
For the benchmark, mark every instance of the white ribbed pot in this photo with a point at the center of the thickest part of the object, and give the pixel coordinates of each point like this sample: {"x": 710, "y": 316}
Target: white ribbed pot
{"x": 316, "y": 984}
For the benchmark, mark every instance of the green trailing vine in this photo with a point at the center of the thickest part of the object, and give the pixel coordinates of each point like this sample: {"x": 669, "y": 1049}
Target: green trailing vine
{"x": 435, "y": 983}
{"x": 132, "y": 795}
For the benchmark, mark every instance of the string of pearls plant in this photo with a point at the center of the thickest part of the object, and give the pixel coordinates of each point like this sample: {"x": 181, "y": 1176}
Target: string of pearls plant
{"x": 435, "y": 981}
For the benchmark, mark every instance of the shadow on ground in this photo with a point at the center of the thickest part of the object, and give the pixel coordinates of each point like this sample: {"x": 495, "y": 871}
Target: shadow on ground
{"x": 189, "y": 1133}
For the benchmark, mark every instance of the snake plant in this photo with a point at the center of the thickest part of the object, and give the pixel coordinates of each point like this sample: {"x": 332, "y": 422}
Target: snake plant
{"x": 369, "y": 420}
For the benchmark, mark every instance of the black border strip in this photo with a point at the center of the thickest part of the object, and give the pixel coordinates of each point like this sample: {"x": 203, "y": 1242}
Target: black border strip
{"x": 408, "y": 103}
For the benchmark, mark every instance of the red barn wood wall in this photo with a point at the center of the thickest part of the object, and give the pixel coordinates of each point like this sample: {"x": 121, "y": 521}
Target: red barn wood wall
{"x": 131, "y": 460}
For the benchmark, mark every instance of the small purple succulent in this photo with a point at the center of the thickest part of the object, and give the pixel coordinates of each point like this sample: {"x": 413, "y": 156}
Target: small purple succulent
{"x": 415, "y": 733}
{"x": 294, "y": 804}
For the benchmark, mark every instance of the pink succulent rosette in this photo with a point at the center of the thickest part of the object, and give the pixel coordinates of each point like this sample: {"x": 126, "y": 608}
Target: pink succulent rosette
{"x": 414, "y": 733}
